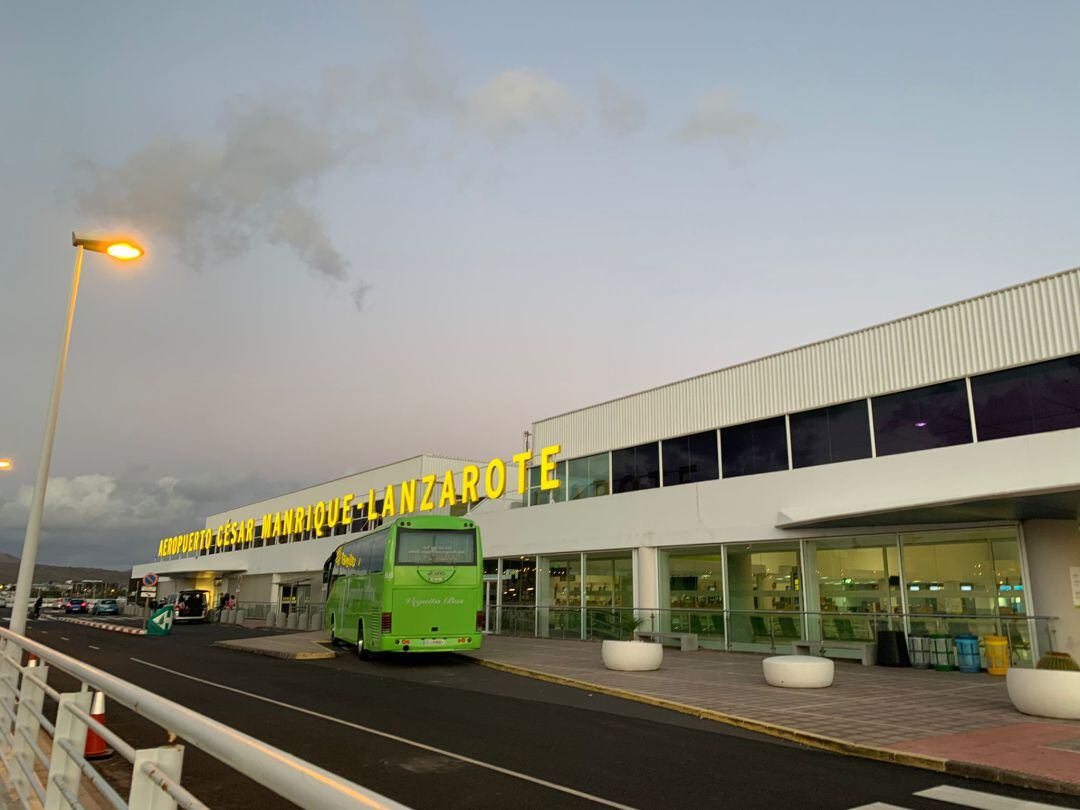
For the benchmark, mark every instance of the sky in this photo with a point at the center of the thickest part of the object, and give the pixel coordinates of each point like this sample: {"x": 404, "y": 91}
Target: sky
{"x": 378, "y": 230}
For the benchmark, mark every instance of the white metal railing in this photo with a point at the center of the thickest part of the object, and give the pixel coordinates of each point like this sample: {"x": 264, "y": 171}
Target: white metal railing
{"x": 44, "y": 762}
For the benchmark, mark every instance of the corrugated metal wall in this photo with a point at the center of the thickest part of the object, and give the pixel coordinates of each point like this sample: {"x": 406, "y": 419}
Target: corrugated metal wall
{"x": 1034, "y": 321}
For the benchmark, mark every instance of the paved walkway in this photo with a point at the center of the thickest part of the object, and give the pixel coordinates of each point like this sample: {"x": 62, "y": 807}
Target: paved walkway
{"x": 298, "y": 646}
{"x": 944, "y": 718}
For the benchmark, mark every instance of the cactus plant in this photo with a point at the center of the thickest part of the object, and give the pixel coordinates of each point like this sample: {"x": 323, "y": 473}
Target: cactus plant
{"x": 1060, "y": 661}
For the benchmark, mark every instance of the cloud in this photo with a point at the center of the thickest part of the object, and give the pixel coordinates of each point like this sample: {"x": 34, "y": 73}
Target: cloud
{"x": 714, "y": 118}
{"x": 104, "y": 520}
{"x": 211, "y": 199}
{"x": 515, "y": 101}
{"x": 619, "y": 111}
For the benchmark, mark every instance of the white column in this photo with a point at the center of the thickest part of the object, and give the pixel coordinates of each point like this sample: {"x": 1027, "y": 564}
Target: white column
{"x": 647, "y": 585}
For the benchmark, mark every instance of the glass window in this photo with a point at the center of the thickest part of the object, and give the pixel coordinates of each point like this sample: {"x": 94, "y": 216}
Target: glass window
{"x": 635, "y": 468}
{"x": 519, "y": 581}
{"x": 689, "y": 459}
{"x": 609, "y": 580}
{"x": 764, "y": 587}
{"x": 756, "y": 447}
{"x": 1030, "y": 399}
{"x": 934, "y": 416}
{"x": 436, "y": 547}
{"x": 564, "y": 582}
{"x": 967, "y": 581}
{"x": 588, "y": 477}
{"x": 828, "y": 435}
{"x": 856, "y": 575}
{"x": 538, "y": 496}
{"x": 692, "y": 586}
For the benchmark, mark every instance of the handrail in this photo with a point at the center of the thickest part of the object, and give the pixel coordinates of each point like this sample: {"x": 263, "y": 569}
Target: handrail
{"x": 297, "y": 780}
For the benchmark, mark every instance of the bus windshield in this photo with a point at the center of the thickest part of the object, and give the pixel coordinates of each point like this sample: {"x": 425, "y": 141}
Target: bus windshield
{"x": 436, "y": 547}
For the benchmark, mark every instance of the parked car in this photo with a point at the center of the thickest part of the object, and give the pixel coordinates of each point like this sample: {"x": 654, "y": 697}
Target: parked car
{"x": 76, "y": 604}
{"x": 190, "y": 606}
{"x": 56, "y": 604}
{"x": 107, "y": 607}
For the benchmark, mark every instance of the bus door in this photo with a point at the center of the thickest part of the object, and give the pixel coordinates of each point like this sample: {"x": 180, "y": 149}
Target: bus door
{"x": 491, "y": 596}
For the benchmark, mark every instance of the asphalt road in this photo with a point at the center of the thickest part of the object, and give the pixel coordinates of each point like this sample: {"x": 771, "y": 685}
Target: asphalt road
{"x": 615, "y": 752}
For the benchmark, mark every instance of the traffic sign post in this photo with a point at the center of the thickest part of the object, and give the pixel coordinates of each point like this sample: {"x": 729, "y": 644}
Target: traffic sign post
{"x": 161, "y": 622}
{"x": 148, "y": 581}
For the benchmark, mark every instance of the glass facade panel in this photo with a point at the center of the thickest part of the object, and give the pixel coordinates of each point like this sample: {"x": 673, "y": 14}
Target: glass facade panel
{"x": 828, "y": 435}
{"x": 588, "y": 477}
{"x": 519, "y": 581}
{"x": 538, "y": 496}
{"x": 921, "y": 419}
{"x": 763, "y": 585}
{"x": 695, "y": 594}
{"x": 970, "y": 572}
{"x": 756, "y": 447}
{"x": 689, "y": 459}
{"x": 1030, "y": 399}
{"x": 609, "y": 595}
{"x": 856, "y": 575}
{"x": 635, "y": 468}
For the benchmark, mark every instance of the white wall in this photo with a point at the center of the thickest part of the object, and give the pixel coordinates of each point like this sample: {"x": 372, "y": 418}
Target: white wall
{"x": 1052, "y": 547}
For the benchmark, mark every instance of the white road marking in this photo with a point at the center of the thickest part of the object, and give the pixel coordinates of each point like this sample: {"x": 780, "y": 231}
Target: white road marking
{"x": 92, "y": 647}
{"x": 64, "y": 638}
{"x": 878, "y": 806}
{"x": 980, "y": 800}
{"x": 386, "y": 735}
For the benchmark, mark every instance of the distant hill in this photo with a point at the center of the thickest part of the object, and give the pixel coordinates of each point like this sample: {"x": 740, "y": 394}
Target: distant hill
{"x": 9, "y": 572}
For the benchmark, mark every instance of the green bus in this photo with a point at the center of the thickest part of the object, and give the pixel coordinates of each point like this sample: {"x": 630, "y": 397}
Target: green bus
{"x": 415, "y": 585}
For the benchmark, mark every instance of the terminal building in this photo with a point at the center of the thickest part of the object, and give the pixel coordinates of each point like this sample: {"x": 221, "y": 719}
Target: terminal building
{"x": 922, "y": 475}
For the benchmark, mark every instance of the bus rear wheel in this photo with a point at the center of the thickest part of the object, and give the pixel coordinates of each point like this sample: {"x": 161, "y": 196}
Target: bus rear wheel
{"x": 361, "y": 650}
{"x": 333, "y": 635}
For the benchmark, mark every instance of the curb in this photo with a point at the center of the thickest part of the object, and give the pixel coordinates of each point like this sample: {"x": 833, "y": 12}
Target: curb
{"x": 952, "y": 767}
{"x": 116, "y": 628}
{"x": 311, "y": 655}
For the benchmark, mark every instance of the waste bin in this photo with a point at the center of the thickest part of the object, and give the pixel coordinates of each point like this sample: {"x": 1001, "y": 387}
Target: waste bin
{"x": 919, "y": 647}
{"x": 997, "y": 654}
{"x": 892, "y": 650}
{"x": 941, "y": 652}
{"x": 968, "y": 658}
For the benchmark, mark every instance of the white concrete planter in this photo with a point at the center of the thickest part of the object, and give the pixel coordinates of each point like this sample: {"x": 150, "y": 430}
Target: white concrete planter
{"x": 798, "y": 671}
{"x": 632, "y": 656}
{"x": 1045, "y": 692}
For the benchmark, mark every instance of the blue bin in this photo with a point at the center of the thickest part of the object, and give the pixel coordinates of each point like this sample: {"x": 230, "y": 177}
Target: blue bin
{"x": 968, "y": 658}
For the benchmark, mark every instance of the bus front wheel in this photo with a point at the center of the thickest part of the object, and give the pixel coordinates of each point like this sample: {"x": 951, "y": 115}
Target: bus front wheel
{"x": 361, "y": 650}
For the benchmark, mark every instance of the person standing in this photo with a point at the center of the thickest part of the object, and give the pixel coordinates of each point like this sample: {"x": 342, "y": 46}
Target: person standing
{"x": 37, "y": 607}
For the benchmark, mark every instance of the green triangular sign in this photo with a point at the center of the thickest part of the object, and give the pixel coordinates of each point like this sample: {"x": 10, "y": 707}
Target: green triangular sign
{"x": 160, "y": 622}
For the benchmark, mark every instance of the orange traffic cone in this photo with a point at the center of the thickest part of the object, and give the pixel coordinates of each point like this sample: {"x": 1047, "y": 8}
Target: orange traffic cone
{"x": 95, "y": 746}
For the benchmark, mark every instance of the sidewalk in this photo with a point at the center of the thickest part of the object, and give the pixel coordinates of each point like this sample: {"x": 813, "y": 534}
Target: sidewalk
{"x": 304, "y": 646}
{"x": 946, "y": 721}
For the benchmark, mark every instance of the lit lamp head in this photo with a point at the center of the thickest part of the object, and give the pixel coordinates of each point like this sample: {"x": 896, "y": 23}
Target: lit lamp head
{"x": 6, "y": 464}
{"x": 121, "y": 248}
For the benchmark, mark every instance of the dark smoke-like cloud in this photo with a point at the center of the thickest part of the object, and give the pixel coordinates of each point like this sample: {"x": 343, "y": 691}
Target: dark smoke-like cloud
{"x": 210, "y": 200}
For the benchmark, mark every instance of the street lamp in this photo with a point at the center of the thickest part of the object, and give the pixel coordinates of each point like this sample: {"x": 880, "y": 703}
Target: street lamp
{"x": 6, "y": 465}
{"x": 123, "y": 249}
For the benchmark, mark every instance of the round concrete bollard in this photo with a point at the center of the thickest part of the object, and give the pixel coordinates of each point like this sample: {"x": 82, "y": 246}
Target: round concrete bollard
{"x": 239, "y": 617}
{"x": 1045, "y": 692}
{"x": 226, "y": 616}
{"x": 798, "y": 671}
{"x": 290, "y": 621}
{"x": 271, "y": 618}
{"x": 315, "y": 622}
{"x": 632, "y": 656}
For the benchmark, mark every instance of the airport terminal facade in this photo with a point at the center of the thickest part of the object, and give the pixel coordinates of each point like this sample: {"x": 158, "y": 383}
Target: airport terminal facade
{"x": 921, "y": 475}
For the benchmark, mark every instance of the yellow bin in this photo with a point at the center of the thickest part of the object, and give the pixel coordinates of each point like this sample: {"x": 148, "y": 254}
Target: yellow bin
{"x": 997, "y": 654}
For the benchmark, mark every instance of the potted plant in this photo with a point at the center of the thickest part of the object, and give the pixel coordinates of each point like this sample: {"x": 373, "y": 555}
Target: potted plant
{"x": 631, "y": 655}
{"x": 1052, "y": 689}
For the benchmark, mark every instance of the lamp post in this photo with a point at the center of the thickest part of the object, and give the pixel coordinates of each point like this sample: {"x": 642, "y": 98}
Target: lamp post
{"x": 124, "y": 250}
{"x": 6, "y": 465}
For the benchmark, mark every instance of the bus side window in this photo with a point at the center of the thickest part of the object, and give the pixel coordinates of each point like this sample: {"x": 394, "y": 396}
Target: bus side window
{"x": 378, "y": 553}
{"x": 328, "y": 569}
